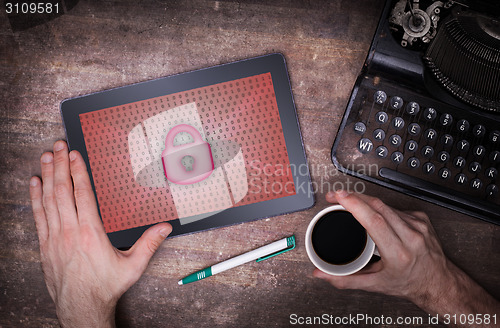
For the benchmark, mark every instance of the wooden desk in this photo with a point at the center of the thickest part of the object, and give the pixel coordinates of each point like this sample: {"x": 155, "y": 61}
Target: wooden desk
{"x": 102, "y": 44}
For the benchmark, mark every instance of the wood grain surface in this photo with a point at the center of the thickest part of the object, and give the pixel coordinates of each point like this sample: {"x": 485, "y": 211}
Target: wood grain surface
{"x": 104, "y": 44}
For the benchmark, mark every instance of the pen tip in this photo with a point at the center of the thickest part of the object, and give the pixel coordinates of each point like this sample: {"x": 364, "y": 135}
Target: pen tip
{"x": 179, "y": 282}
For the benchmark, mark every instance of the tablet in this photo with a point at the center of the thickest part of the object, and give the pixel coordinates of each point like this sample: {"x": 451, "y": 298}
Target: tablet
{"x": 237, "y": 121}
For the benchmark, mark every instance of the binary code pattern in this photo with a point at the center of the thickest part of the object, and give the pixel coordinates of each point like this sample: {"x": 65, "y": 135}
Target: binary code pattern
{"x": 240, "y": 121}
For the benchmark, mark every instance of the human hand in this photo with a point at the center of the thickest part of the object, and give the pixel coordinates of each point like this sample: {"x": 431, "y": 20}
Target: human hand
{"x": 84, "y": 273}
{"x": 413, "y": 264}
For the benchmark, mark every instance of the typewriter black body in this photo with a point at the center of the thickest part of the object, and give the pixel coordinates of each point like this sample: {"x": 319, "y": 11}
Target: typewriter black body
{"x": 424, "y": 114}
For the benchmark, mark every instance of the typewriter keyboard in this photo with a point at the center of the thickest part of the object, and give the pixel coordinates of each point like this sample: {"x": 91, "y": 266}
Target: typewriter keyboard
{"x": 423, "y": 147}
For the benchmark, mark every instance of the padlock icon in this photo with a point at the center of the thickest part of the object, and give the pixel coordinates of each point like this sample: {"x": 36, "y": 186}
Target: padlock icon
{"x": 187, "y": 163}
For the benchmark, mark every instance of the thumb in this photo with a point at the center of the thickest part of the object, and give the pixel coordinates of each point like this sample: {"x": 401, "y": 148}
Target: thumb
{"x": 360, "y": 280}
{"x": 144, "y": 248}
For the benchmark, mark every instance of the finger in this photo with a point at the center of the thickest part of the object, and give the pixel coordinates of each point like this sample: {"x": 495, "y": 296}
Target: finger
{"x": 330, "y": 197}
{"x": 364, "y": 281}
{"x": 418, "y": 215}
{"x": 63, "y": 186}
{"x": 144, "y": 248}
{"x": 48, "y": 198}
{"x": 38, "y": 211}
{"x": 373, "y": 267}
{"x": 84, "y": 196}
{"x": 374, "y": 222}
{"x": 394, "y": 217}
{"x": 420, "y": 223}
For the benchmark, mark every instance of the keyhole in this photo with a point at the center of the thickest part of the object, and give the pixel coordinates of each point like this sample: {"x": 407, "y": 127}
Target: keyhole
{"x": 187, "y": 161}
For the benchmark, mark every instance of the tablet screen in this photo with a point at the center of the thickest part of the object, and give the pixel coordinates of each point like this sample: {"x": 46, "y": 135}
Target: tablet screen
{"x": 237, "y": 121}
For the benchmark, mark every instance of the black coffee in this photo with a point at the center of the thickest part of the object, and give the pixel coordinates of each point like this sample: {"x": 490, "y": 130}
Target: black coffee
{"x": 338, "y": 238}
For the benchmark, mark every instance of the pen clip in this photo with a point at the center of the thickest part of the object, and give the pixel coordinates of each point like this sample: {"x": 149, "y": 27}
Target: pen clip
{"x": 290, "y": 242}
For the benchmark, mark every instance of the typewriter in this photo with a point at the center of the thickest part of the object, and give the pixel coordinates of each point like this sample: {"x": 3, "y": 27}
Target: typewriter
{"x": 423, "y": 117}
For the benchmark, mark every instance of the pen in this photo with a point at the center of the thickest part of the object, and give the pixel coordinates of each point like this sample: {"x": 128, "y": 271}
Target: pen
{"x": 259, "y": 254}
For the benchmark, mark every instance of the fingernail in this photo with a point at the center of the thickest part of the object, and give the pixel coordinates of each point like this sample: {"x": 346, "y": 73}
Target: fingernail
{"x": 330, "y": 194}
{"x": 33, "y": 182}
{"x": 58, "y": 146}
{"x": 164, "y": 232}
{"x": 47, "y": 158}
{"x": 72, "y": 156}
{"x": 341, "y": 193}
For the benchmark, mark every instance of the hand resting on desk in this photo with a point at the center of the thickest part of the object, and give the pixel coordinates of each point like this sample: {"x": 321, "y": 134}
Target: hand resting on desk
{"x": 84, "y": 273}
{"x": 413, "y": 265}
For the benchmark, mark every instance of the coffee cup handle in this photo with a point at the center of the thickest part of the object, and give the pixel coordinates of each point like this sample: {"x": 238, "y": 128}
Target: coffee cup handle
{"x": 375, "y": 256}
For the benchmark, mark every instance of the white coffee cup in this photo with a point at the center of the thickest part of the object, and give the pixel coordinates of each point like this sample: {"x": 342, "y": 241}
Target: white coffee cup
{"x": 343, "y": 269}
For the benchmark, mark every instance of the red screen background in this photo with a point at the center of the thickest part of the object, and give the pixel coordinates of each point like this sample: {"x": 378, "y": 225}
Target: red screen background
{"x": 243, "y": 112}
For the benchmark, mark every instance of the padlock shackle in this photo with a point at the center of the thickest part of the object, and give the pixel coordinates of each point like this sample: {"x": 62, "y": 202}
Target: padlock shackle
{"x": 169, "y": 141}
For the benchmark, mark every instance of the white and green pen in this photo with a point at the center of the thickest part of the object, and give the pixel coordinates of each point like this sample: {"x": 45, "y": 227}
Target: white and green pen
{"x": 259, "y": 254}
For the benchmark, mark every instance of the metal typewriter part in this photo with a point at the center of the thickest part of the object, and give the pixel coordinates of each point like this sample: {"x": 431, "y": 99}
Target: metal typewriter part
{"x": 417, "y": 25}
{"x": 465, "y": 58}
{"x": 422, "y": 117}
{"x": 462, "y": 50}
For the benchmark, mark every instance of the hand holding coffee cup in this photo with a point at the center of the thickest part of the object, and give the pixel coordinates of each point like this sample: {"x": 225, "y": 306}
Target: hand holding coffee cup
{"x": 412, "y": 262}
{"x": 337, "y": 243}
{"x": 412, "y": 266}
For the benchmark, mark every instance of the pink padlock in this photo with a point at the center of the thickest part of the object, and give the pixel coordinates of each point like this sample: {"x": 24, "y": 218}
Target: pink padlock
{"x": 188, "y": 163}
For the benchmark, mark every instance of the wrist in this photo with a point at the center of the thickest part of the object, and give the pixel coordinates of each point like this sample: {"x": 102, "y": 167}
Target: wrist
{"x": 441, "y": 289}
{"x": 101, "y": 320}
{"x": 92, "y": 314}
{"x": 452, "y": 291}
